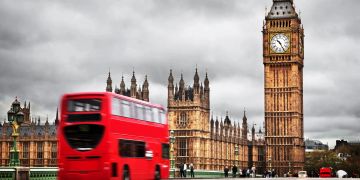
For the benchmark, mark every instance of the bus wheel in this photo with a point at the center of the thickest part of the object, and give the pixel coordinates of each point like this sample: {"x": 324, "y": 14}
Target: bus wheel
{"x": 157, "y": 174}
{"x": 126, "y": 174}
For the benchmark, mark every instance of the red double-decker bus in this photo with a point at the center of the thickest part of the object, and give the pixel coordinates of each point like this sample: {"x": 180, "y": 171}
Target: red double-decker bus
{"x": 108, "y": 136}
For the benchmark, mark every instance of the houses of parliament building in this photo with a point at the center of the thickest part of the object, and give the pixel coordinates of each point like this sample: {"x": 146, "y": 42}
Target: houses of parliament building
{"x": 208, "y": 143}
{"x": 37, "y": 143}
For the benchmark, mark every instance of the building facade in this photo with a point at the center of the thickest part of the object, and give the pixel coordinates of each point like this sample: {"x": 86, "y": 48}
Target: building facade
{"x": 208, "y": 143}
{"x": 37, "y": 143}
{"x": 315, "y": 145}
{"x": 283, "y": 57}
{"x": 135, "y": 91}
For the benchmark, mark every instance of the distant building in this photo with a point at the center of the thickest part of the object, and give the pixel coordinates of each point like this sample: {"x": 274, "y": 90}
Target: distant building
{"x": 345, "y": 149}
{"x": 135, "y": 91}
{"x": 315, "y": 145}
{"x": 37, "y": 142}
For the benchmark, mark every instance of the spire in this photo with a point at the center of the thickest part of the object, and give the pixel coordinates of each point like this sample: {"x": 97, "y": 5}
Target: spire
{"x": 227, "y": 119}
{"x": 133, "y": 86}
{"x": 196, "y": 77}
{"x": 170, "y": 79}
{"x": 29, "y": 106}
{"x": 109, "y": 83}
{"x": 282, "y": 9}
{"x": 181, "y": 83}
{"x": 244, "y": 117}
{"x": 133, "y": 79}
{"x": 57, "y": 117}
{"x": 47, "y": 120}
{"x": 122, "y": 85}
{"x": 25, "y": 105}
{"x": 244, "y": 126}
{"x": 206, "y": 82}
{"x": 145, "y": 88}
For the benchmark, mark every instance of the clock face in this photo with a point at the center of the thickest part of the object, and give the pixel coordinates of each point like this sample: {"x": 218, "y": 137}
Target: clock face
{"x": 280, "y": 43}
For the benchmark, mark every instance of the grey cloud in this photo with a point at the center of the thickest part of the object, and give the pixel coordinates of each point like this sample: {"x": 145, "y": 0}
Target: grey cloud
{"x": 48, "y": 48}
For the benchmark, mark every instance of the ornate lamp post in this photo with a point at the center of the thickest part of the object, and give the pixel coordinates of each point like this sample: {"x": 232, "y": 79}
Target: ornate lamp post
{"x": 15, "y": 117}
{"x": 289, "y": 167}
{"x": 172, "y": 160}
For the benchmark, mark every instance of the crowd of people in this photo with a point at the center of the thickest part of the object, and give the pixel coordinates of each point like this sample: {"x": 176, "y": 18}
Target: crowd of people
{"x": 183, "y": 170}
{"x": 235, "y": 171}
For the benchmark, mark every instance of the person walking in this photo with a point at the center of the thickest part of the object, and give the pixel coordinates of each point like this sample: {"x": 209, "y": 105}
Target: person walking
{"x": 185, "y": 168}
{"x": 181, "y": 169}
{"x": 234, "y": 171}
{"x": 192, "y": 175}
{"x": 226, "y": 171}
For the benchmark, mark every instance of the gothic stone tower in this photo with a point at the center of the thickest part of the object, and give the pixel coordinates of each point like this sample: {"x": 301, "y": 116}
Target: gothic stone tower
{"x": 283, "y": 46}
{"x": 188, "y": 114}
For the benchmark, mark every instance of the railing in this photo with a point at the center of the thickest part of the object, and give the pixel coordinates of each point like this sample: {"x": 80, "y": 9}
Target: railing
{"x": 7, "y": 173}
{"x": 25, "y": 173}
{"x": 43, "y": 173}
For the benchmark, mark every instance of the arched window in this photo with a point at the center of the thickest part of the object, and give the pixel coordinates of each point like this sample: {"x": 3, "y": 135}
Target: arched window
{"x": 183, "y": 119}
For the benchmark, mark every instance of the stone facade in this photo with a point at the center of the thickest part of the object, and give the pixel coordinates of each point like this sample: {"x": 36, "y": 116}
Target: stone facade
{"x": 283, "y": 44}
{"x": 208, "y": 143}
{"x": 37, "y": 144}
{"x": 135, "y": 91}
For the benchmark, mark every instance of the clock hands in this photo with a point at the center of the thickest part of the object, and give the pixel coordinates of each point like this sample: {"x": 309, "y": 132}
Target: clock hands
{"x": 281, "y": 45}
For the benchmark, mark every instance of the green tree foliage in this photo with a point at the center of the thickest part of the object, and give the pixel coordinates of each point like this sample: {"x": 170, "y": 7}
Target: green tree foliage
{"x": 318, "y": 159}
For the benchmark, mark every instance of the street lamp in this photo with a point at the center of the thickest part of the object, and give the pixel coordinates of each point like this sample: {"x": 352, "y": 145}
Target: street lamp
{"x": 15, "y": 117}
{"x": 289, "y": 167}
{"x": 172, "y": 160}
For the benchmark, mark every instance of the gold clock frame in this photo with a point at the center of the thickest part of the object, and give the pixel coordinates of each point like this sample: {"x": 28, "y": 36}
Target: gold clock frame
{"x": 288, "y": 35}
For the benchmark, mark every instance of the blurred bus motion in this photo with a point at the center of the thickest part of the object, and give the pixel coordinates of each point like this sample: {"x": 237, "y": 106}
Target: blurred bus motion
{"x": 108, "y": 136}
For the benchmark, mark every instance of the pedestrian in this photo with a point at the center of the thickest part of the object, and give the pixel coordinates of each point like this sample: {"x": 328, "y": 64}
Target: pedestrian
{"x": 185, "y": 168}
{"x": 226, "y": 171}
{"x": 234, "y": 171}
{"x": 192, "y": 170}
{"x": 181, "y": 169}
{"x": 254, "y": 171}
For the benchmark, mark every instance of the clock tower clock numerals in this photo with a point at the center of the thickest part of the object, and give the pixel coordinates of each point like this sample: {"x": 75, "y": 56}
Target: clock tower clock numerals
{"x": 280, "y": 43}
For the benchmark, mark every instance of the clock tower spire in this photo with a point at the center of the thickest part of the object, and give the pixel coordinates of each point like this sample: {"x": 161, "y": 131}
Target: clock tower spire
{"x": 283, "y": 58}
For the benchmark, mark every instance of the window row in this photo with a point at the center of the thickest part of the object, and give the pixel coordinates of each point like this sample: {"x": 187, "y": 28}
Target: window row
{"x": 137, "y": 149}
{"x": 137, "y": 111}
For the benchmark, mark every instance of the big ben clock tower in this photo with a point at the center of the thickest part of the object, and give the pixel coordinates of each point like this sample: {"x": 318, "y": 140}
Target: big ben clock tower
{"x": 283, "y": 52}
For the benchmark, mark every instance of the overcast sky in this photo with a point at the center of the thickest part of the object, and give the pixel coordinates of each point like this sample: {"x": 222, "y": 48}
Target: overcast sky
{"x": 48, "y": 48}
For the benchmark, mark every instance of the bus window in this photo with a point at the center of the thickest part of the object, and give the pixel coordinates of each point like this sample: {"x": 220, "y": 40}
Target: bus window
{"x": 126, "y": 109}
{"x": 84, "y": 137}
{"x": 148, "y": 114}
{"x": 165, "y": 151}
{"x": 129, "y": 148}
{"x": 115, "y": 108}
{"x": 156, "y": 115}
{"x": 84, "y": 105}
{"x": 162, "y": 117}
{"x": 139, "y": 109}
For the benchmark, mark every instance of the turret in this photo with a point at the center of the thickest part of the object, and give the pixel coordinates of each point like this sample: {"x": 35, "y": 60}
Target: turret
{"x": 133, "y": 86}
{"x": 244, "y": 127}
{"x": 196, "y": 82}
{"x": 207, "y": 91}
{"x": 57, "y": 117}
{"x": 122, "y": 86}
{"x": 170, "y": 87}
{"x": 253, "y": 133}
{"x": 109, "y": 83}
{"x": 145, "y": 92}
{"x": 182, "y": 88}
